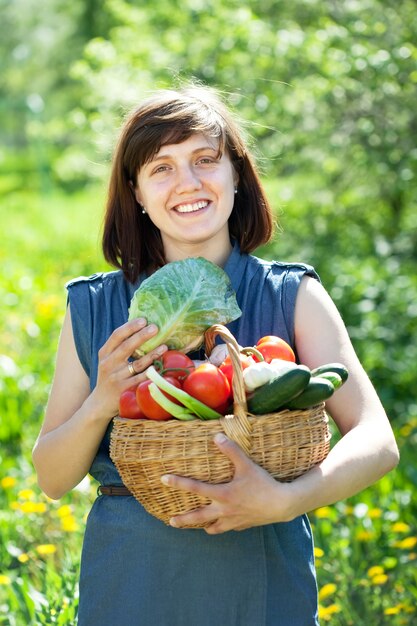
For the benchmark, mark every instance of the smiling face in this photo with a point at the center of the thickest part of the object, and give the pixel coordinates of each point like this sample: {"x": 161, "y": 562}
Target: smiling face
{"x": 188, "y": 191}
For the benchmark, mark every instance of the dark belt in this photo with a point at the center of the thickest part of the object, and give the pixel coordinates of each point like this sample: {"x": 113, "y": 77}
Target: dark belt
{"x": 114, "y": 490}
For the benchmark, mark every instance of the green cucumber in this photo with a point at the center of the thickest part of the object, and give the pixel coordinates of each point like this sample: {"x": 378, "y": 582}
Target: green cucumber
{"x": 318, "y": 390}
{"x": 334, "y": 378}
{"x": 279, "y": 391}
{"x": 338, "y": 368}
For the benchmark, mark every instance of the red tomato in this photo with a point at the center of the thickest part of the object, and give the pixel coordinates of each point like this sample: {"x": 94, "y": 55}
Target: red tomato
{"x": 227, "y": 368}
{"x": 148, "y": 405}
{"x": 175, "y": 360}
{"x": 208, "y": 384}
{"x": 128, "y": 406}
{"x": 275, "y": 348}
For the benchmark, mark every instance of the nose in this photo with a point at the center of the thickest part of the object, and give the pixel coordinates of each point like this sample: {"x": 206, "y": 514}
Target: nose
{"x": 187, "y": 180}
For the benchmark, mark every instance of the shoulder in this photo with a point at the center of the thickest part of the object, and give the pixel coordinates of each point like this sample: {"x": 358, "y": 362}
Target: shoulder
{"x": 286, "y": 269}
{"x": 96, "y": 281}
{"x": 103, "y": 291}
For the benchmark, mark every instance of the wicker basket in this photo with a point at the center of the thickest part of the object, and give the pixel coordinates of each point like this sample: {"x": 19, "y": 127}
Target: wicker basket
{"x": 286, "y": 444}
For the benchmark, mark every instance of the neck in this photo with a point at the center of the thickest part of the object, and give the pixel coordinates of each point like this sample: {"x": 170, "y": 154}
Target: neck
{"x": 210, "y": 250}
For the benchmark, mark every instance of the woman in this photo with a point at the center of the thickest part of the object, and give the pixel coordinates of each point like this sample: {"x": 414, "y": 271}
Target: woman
{"x": 184, "y": 184}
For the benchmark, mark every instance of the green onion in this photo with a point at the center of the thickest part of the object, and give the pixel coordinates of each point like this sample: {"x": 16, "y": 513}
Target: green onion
{"x": 176, "y": 410}
{"x": 202, "y": 411}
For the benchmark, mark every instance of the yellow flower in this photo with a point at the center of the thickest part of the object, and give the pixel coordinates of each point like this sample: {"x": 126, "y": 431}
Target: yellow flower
{"x": 324, "y": 511}
{"x": 23, "y": 558}
{"x": 380, "y": 579}
{"x": 318, "y": 552}
{"x": 327, "y": 590}
{"x": 33, "y": 507}
{"x": 325, "y": 612}
{"x": 392, "y": 610}
{"x": 407, "y": 543}
{"x": 48, "y": 306}
{"x": 69, "y": 524}
{"x": 26, "y": 494}
{"x": 400, "y": 527}
{"x": 364, "y": 535}
{"x": 5, "y": 580}
{"x": 8, "y": 481}
{"x": 374, "y": 513}
{"x": 375, "y": 571}
{"x": 64, "y": 510}
{"x": 46, "y": 548}
{"x": 406, "y": 430}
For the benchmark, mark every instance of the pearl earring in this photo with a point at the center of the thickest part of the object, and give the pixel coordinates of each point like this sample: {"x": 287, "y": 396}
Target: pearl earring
{"x": 235, "y": 190}
{"x": 143, "y": 211}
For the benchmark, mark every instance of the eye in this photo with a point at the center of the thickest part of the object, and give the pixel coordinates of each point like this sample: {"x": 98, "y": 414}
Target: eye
{"x": 160, "y": 168}
{"x": 206, "y": 160}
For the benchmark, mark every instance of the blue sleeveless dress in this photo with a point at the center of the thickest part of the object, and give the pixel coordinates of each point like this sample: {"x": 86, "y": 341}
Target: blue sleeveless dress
{"x": 135, "y": 570}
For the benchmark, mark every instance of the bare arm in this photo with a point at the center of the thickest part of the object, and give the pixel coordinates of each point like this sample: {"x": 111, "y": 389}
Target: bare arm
{"x": 366, "y": 451}
{"x": 75, "y": 419}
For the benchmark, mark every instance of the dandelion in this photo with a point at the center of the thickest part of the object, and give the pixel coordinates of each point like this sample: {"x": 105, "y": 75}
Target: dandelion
{"x": 26, "y": 494}
{"x": 5, "y": 580}
{"x": 69, "y": 524}
{"x": 324, "y": 511}
{"x": 365, "y": 535}
{"x": 23, "y": 558}
{"x": 33, "y": 507}
{"x": 327, "y": 590}
{"x": 8, "y": 482}
{"x": 64, "y": 510}
{"x": 380, "y": 579}
{"x": 406, "y": 544}
{"x": 400, "y": 527}
{"x": 376, "y": 570}
{"x": 46, "y": 548}
{"x": 325, "y": 612}
{"x": 374, "y": 513}
{"x": 393, "y": 610}
{"x": 406, "y": 430}
{"x": 318, "y": 552}
{"x": 48, "y": 306}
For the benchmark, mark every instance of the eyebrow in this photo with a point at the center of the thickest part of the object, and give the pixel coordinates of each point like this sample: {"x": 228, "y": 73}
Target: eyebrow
{"x": 159, "y": 157}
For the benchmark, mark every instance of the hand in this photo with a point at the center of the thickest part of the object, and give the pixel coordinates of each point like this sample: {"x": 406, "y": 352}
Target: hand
{"x": 251, "y": 498}
{"x": 113, "y": 375}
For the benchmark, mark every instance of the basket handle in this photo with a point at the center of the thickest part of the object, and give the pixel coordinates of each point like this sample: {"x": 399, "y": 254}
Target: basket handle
{"x": 236, "y": 426}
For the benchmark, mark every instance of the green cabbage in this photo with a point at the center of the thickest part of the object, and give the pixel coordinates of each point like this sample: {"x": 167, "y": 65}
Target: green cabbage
{"x": 184, "y": 298}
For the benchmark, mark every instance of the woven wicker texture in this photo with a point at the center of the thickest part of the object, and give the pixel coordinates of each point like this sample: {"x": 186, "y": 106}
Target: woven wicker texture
{"x": 286, "y": 444}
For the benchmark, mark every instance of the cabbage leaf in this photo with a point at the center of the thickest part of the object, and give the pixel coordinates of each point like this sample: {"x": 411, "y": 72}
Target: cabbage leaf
{"x": 184, "y": 298}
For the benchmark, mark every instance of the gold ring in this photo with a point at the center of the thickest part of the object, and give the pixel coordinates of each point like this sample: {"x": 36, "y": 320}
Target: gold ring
{"x": 131, "y": 369}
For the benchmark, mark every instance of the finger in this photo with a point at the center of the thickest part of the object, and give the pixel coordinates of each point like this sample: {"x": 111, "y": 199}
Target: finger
{"x": 140, "y": 365}
{"x": 122, "y": 333}
{"x": 198, "y": 518}
{"x": 233, "y": 451}
{"x": 132, "y": 343}
{"x": 128, "y": 345}
{"x": 194, "y": 486}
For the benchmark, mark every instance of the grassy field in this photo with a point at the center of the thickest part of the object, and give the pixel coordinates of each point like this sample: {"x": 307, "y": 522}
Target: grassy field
{"x": 366, "y": 548}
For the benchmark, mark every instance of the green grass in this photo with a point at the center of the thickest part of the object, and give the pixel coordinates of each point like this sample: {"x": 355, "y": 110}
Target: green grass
{"x": 366, "y": 548}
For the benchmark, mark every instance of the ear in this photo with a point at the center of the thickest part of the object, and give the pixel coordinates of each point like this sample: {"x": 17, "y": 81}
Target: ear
{"x": 135, "y": 191}
{"x": 235, "y": 178}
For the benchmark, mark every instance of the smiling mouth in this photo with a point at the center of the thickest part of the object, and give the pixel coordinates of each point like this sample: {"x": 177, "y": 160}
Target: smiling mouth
{"x": 191, "y": 208}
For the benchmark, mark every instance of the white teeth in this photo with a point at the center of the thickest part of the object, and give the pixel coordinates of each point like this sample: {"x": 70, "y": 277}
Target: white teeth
{"x": 189, "y": 208}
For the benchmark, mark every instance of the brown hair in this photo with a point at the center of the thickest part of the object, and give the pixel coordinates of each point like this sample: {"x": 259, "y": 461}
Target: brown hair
{"x": 130, "y": 240}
